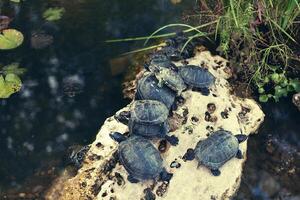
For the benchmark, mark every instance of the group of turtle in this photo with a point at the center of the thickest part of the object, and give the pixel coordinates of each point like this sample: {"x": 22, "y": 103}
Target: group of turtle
{"x": 156, "y": 95}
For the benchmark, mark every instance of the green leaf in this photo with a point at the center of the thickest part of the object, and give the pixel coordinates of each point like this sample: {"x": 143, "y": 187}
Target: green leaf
{"x": 296, "y": 84}
{"x": 53, "y": 14}
{"x": 12, "y": 69}
{"x": 263, "y": 98}
{"x": 16, "y": 1}
{"x": 275, "y": 77}
{"x": 266, "y": 80}
{"x": 10, "y": 39}
{"x": 9, "y": 85}
{"x": 290, "y": 88}
{"x": 279, "y": 91}
{"x": 261, "y": 90}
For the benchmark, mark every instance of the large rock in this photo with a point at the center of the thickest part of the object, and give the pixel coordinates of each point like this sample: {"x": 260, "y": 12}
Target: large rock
{"x": 102, "y": 176}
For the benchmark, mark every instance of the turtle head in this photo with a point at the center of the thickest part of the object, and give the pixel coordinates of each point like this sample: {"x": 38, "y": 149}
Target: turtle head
{"x": 241, "y": 137}
{"x": 165, "y": 176}
{"x": 123, "y": 117}
{"x": 118, "y": 137}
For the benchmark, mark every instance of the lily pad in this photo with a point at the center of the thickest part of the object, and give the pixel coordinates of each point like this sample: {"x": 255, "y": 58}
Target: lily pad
{"x": 10, "y": 39}
{"x": 11, "y": 84}
{"x": 53, "y": 14}
{"x": 13, "y": 68}
{"x": 263, "y": 98}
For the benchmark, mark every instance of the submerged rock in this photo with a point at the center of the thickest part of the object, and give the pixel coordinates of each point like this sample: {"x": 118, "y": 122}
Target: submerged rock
{"x": 296, "y": 100}
{"x": 106, "y": 178}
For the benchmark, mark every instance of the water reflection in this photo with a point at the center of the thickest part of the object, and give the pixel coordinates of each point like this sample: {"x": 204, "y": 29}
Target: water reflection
{"x": 68, "y": 88}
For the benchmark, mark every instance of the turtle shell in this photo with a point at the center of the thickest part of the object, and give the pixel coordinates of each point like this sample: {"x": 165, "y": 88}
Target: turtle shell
{"x": 149, "y": 112}
{"x": 148, "y": 89}
{"x": 160, "y": 60}
{"x": 218, "y": 148}
{"x": 148, "y": 130}
{"x": 140, "y": 158}
{"x": 172, "y": 79}
{"x": 196, "y": 76}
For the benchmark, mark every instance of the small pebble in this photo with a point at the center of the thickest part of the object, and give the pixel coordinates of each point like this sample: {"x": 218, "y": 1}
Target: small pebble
{"x": 162, "y": 147}
{"x": 224, "y": 115}
{"x": 149, "y": 195}
{"x": 211, "y": 107}
{"x": 195, "y": 119}
{"x": 175, "y": 164}
{"x": 161, "y": 190}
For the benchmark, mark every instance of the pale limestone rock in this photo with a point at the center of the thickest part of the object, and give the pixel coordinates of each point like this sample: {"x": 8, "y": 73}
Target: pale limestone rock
{"x": 106, "y": 179}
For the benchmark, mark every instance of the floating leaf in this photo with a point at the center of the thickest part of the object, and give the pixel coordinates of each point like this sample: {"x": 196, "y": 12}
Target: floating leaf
{"x": 296, "y": 84}
{"x": 16, "y": 1}
{"x": 9, "y": 85}
{"x": 10, "y": 39}
{"x": 261, "y": 90}
{"x": 53, "y": 14}
{"x": 12, "y": 69}
{"x": 275, "y": 77}
{"x": 263, "y": 98}
{"x": 279, "y": 91}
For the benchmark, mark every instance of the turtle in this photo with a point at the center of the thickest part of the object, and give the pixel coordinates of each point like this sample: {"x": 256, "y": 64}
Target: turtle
{"x": 76, "y": 154}
{"x": 169, "y": 78}
{"x": 147, "y": 118}
{"x": 140, "y": 158}
{"x": 216, "y": 150}
{"x": 197, "y": 78}
{"x": 178, "y": 47}
{"x": 160, "y": 59}
{"x": 148, "y": 88}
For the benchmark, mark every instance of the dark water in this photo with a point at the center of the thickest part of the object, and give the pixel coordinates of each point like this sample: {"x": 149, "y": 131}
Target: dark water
{"x": 40, "y": 122}
{"x": 272, "y": 170}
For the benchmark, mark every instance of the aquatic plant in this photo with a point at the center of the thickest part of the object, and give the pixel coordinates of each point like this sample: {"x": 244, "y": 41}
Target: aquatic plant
{"x": 53, "y": 14}
{"x": 254, "y": 35}
{"x": 10, "y": 39}
{"x": 10, "y": 81}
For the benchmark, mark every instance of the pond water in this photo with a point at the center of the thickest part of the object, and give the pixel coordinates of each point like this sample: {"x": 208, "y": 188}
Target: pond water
{"x": 39, "y": 123}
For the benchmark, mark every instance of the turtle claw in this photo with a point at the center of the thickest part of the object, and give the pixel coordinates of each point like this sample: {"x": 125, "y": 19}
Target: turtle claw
{"x": 132, "y": 179}
{"x": 123, "y": 117}
{"x": 215, "y": 172}
{"x": 118, "y": 137}
{"x": 241, "y": 137}
{"x": 189, "y": 155}
{"x": 165, "y": 176}
{"x": 239, "y": 154}
{"x": 173, "y": 140}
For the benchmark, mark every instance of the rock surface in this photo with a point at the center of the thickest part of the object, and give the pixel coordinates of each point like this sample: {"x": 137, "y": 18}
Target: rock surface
{"x": 102, "y": 176}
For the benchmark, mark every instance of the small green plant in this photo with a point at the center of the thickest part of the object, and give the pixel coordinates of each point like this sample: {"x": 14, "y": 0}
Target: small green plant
{"x": 53, "y": 14}
{"x": 10, "y": 81}
{"x": 281, "y": 85}
{"x": 255, "y": 35}
{"x": 10, "y": 39}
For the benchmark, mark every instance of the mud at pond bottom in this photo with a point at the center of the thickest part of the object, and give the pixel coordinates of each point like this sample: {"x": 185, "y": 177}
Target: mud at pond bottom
{"x": 107, "y": 179}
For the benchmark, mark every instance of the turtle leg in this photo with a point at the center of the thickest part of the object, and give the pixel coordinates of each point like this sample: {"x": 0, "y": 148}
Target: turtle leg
{"x": 215, "y": 172}
{"x": 241, "y": 137}
{"x": 123, "y": 117}
{"x": 118, "y": 137}
{"x": 204, "y": 91}
{"x": 165, "y": 176}
{"x": 173, "y": 67}
{"x": 189, "y": 155}
{"x": 131, "y": 179}
{"x": 173, "y": 140}
{"x": 239, "y": 154}
{"x": 173, "y": 107}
